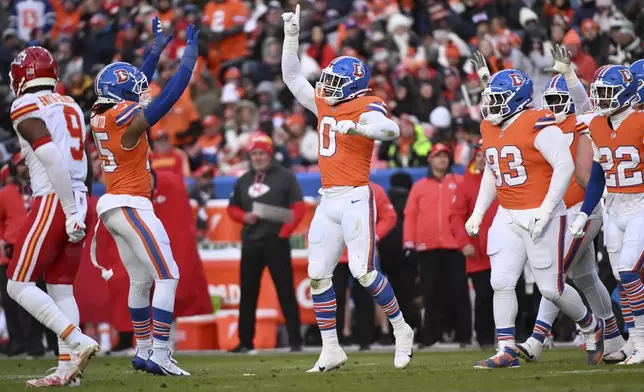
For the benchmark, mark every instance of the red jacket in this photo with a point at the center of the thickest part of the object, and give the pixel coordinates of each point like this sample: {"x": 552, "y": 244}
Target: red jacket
{"x": 13, "y": 215}
{"x": 426, "y": 225}
{"x": 461, "y": 211}
{"x": 385, "y": 216}
{"x": 174, "y": 161}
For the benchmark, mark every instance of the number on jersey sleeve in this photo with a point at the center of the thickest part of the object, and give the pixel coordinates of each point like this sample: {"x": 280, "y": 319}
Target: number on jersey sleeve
{"x": 75, "y": 129}
{"x": 514, "y": 173}
{"x": 625, "y": 175}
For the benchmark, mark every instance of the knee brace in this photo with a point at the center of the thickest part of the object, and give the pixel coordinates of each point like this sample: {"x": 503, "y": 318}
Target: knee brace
{"x": 318, "y": 286}
{"x": 367, "y": 279}
{"x": 139, "y": 295}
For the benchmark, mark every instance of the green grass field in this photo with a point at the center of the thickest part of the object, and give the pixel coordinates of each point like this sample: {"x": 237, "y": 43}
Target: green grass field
{"x": 561, "y": 370}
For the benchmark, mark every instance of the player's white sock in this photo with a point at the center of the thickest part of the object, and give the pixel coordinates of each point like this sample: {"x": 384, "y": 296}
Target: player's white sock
{"x": 571, "y": 304}
{"x": 139, "y": 304}
{"x": 380, "y": 289}
{"x": 505, "y": 314}
{"x": 545, "y": 318}
{"x": 162, "y": 315}
{"x": 63, "y": 296}
{"x": 43, "y": 308}
{"x": 326, "y": 307}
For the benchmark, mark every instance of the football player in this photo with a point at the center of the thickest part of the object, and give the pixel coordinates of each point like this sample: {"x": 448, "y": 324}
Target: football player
{"x": 120, "y": 118}
{"x": 51, "y": 132}
{"x": 348, "y": 123}
{"x": 637, "y": 69}
{"x": 529, "y": 167}
{"x": 616, "y": 132}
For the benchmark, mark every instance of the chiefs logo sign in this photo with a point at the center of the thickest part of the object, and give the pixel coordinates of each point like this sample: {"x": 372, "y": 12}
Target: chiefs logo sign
{"x": 121, "y": 75}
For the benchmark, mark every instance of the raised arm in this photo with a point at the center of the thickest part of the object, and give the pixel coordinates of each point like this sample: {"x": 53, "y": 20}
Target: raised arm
{"x": 296, "y": 83}
{"x": 168, "y": 97}
{"x": 160, "y": 42}
{"x": 562, "y": 65}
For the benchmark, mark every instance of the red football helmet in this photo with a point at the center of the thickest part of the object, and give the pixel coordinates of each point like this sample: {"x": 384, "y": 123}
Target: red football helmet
{"x": 34, "y": 66}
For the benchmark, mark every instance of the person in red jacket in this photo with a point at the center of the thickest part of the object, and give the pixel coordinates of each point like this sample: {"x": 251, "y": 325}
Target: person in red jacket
{"x": 475, "y": 248}
{"x": 428, "y": 236}
{"x": 167, "y": 158}
{"x": 25, "y": 332}
{"x": 365, "y": 311}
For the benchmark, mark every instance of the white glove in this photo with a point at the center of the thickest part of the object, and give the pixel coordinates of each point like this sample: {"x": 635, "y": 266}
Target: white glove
{"x": 292, "y": 22}
{"x": 577, "y": 227}
{"x": 538, "y": 222}
{"x": 480, "y": 65}
{"x": 75, "y": 227}
{"x": 561, "y": 56}
{"x": 348, "y": 127}
{"x": 472, "y": 224}
{"x": 605, "y": 193}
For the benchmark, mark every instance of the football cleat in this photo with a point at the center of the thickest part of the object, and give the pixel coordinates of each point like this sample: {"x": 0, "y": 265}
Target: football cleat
{"x": 140, "y": 363}
{"x": 330, "y": 358}
{"x": 55, "y": 378}
{"x": 530, "y": 350}
{"x": 80, "y": 355}
{"x": 404, "y": 347}
{"x": 506, "y": 358}
{"x": 636, "y": 358}
{"x": 619, "y": 355}
{"x": 164, "y": 365}
{"x": 595, "y": 343}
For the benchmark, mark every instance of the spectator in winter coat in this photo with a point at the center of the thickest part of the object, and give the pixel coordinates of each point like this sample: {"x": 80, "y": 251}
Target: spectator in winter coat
{"x": 475, "y": 248}
{"x": 411, "y": 149}
{"x": 167, "y": 158}
{"x": 320, "y": 50}
{"x": 427, "y": 232}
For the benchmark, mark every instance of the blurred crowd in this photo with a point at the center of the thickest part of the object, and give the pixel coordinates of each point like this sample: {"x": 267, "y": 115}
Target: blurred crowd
{"x": 417, "y": 49}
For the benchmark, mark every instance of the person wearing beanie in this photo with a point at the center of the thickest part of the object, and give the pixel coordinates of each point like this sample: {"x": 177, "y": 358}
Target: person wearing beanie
{"x": 475, "y": 248}
{"x": 427, "y": 237}
{"x": 267, "y": 201}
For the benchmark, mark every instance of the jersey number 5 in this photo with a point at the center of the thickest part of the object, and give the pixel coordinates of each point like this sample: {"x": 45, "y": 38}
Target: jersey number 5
{"x": 622, "y": 178}
{"x": 516, "y": 175}
{"x": 75, "y": 130}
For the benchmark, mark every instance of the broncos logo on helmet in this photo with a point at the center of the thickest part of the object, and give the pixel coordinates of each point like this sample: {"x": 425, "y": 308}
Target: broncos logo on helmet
{"x": 119, "y": 82}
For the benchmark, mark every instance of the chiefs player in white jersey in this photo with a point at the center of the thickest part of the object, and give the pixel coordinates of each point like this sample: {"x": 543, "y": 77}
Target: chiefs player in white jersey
{"x": 51, "y": 132}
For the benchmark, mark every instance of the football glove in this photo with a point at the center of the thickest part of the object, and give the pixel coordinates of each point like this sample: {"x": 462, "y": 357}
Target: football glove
{"x": 292, "y": 22}
{"x": 75, "y": 227}
{"x": 578, "y": 225}
{"x": 561, "y": 56}
{"x": 538, "y": 223}
{"x": 160, "y": 40}
{"x": 348, "y": 127}
{"x": 472, "y": 225}
{"x": 480, "y": 65}
{"x": 190, "y": 53}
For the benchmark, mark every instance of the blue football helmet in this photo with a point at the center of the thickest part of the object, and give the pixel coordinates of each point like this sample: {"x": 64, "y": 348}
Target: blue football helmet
{"x": 613, "y": 88}
{"x": 507, "y": 93}
{"x": 556, "y": 97}
{"x": 344, "y": 78}
{"x": 637, "y": 69}
{"x": 120, "y": 82}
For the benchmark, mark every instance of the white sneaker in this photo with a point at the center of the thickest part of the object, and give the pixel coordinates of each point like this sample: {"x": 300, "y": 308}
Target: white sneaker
{"x": 530, "y": 350}
{"x": 616, "y": 350}
{"x": 55, "y": 378}
{"x": 636, "y": 358}
{"x": 80, "y": 353}
{"x": 164, "y": 365}
{"x": 404, "y": 347}
{"x": 330, "y": 358}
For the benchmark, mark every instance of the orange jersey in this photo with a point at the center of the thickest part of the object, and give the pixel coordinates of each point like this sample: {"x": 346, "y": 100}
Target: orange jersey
{"x": 621, "y": 152}
{"x": 572, "y": 128}
{"x": 522, "y": 173}
{"x": 125, "y": 172}
{"x": 220, "y": 17}
{"x": 344, "y": 160}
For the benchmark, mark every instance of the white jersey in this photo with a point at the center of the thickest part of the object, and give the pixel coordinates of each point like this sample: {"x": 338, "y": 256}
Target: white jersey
{"x": 64, "y": 120}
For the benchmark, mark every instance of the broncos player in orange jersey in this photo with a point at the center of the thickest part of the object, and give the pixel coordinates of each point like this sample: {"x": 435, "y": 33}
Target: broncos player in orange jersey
{"x": 348, "y": 123}
{"x": 529, "y": 167}
{"x": 120, "y": 118}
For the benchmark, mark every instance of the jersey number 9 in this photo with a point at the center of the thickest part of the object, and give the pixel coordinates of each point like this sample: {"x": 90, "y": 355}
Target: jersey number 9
{"x": 75, "y": 129}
